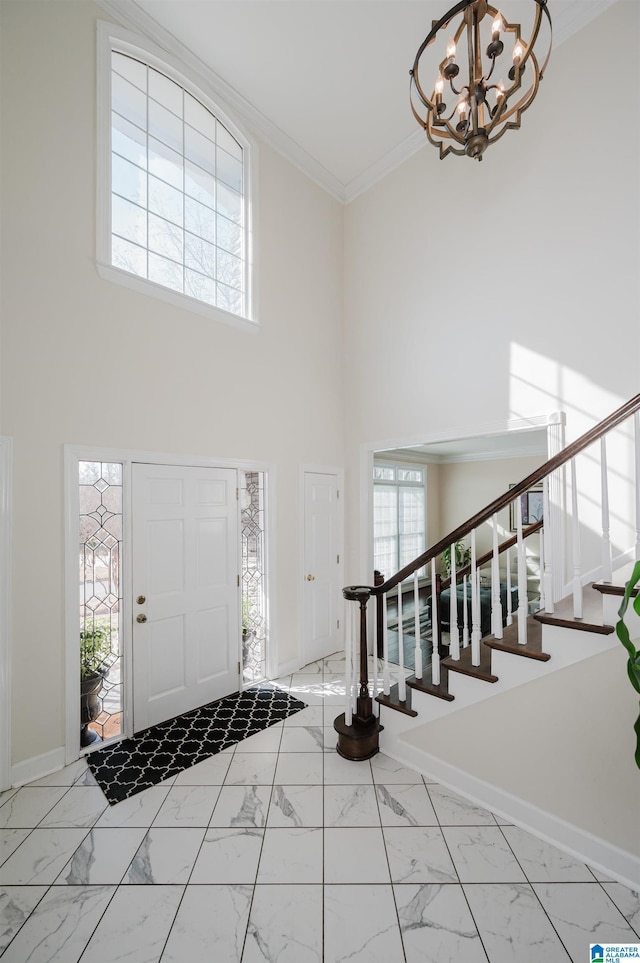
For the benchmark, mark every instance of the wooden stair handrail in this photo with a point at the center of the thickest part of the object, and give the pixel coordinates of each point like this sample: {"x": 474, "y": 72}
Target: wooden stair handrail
{"x": 502, "y": 547}
{"x": 598, "y": 431}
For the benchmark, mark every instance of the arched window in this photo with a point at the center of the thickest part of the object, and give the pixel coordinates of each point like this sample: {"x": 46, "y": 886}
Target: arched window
{"x": 175, "y": 188}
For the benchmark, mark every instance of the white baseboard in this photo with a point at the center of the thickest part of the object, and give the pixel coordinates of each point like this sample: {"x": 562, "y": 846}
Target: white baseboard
{"x": 579, "y": 843}
{"x": 38, "y": 766}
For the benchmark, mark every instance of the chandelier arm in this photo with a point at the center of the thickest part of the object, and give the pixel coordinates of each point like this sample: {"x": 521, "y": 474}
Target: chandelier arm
{"x": 439, "y": 25}
{"x": 524, "y": 101}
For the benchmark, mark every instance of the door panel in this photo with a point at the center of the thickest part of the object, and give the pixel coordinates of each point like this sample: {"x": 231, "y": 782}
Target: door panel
{"x": 323, "y": 583}
{"x": 185, "y": 566}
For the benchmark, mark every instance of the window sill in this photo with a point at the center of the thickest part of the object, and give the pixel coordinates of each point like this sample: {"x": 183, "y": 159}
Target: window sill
{"x": 151, "y": 289}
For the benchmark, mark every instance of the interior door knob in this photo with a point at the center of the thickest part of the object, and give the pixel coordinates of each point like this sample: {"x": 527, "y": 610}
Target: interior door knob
{"x": 141, "y": 618}
{"x": 311, "y": 578}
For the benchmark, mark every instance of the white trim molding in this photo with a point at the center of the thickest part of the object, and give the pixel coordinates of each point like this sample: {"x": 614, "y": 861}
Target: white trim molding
{"x": 127, "y": 457}
{"x": 111, "y": 37}
{"x": 37, "y": 767}
{"x": 576, "y": 15}
{"x": 552, "y": 422}
{"x": 130, "y": 15}
{"x": 578, "y": 843}
{"x": 6, "y": 508}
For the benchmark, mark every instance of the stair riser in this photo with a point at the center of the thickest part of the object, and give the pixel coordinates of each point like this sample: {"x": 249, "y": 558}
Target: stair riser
{"x": 565, "y": 646}
{"x": 467, "y": 691}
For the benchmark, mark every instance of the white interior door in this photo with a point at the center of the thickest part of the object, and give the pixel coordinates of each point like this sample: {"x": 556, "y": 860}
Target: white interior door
{"x": 185, "y": 589}
{"x": 323, "y": 569}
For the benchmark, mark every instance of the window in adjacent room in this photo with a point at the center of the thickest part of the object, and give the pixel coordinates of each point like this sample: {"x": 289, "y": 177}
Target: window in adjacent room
{"x": 398, "y": 516}
{"x": 178, "y": 211}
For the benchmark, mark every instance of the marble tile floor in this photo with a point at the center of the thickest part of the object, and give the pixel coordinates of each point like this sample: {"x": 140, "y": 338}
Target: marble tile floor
{"x": 278, "y": 850}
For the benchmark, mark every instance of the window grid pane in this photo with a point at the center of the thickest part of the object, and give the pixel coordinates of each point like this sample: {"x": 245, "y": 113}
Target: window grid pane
{"x": 177, "y": 189}
{"x": 399, "y": 531}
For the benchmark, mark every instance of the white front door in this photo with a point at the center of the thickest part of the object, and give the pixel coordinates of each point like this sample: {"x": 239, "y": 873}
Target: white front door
{"x": 323, "y": 569}
{"x": 185, "y": 589}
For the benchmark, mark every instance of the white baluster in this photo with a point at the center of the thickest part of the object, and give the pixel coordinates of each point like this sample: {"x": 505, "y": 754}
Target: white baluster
{"x": 507, "y": 556}
{"x": 347, "y": 662}
{"x": 465, "y": 614}
{"x": 386, "y": 682}
{"x": 374, "y": 664}
{"x": 454, "y": 634}
{"x": 575, "y": 541}
{"x": 636, "y": 431}
{"x": 522, "y": 577}
{"x": 402, "y": 687}
{"x": 416, "y": 616}
{"x": 476, "y": 632}
{"x": 496, "y": 600}
{"x": 541, "y": 566}
{"x": 549, "y": 604}
{"x": 607, "y": 568}
{"x": 435, "y": 629}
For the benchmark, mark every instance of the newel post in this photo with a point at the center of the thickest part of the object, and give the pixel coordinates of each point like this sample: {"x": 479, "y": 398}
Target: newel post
{"x": 359, "y": 740}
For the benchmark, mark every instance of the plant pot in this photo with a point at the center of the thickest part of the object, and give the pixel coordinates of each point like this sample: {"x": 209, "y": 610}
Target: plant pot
{"x": 90, "y": 706}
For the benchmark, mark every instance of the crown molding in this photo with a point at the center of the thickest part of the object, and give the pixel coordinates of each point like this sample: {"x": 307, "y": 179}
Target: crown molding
{"x": 387, "y": 163}
{"x": 128, "y": 14}
{"x": 576, "y": 16}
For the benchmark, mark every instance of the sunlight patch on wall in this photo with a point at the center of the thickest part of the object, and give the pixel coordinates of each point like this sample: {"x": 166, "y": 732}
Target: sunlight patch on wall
{"x": 541, "y": 385}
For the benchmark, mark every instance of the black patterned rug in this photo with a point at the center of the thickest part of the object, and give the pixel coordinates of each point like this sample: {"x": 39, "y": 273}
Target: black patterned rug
{"x": 129, "y": 766}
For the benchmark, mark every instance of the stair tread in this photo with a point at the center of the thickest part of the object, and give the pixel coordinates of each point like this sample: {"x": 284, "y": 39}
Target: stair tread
{"x": 425, "y": 684}
{"x": 393, "y": 702}
{"x": 509, "y": 641}
{"x": 592, "y": 619}
{"x": 465, "y": 666}
{"x": 618, "y": 582}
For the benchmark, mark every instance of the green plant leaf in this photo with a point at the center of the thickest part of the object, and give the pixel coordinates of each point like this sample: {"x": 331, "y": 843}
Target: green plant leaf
{"x": 622, "y": 631}
{"x": 628, "y": 591}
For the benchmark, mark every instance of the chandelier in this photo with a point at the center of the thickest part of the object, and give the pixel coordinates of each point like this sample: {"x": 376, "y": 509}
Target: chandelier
{"x": 472, "y": 104}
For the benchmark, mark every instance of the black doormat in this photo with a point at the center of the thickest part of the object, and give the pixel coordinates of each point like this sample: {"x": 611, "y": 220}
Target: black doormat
{"x": 128, "y": 767}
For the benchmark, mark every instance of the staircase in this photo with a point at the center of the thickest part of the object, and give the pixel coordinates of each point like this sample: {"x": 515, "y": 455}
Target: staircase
{"x": 575, "y": 622}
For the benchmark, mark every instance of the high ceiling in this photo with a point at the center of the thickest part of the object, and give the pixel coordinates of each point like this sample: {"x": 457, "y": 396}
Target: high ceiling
{"x": 324, "y": 81}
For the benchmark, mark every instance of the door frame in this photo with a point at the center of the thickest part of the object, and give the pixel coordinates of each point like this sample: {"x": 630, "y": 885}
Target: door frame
{"x": 6, "y": 509}
{"x": 553, "y": 422}
{"x": 126, "y": 456}
{"x": 339, "y": 475}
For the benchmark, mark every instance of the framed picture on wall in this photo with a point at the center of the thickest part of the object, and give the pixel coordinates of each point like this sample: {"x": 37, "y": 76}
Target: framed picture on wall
{"x": 532, "y": 507}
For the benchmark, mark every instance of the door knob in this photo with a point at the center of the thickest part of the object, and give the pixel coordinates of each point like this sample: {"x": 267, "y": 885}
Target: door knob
{"x": 141, "y": 618}
{"x": 311, "y": 578}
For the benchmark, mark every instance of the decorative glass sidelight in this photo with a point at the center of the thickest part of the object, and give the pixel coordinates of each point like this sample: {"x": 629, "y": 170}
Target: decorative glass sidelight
{"x": 100, "y": 582}
{"x": 254, "y": 621}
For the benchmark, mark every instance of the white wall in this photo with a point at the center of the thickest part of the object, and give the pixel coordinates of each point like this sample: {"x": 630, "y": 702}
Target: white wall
{"x": 569, "y": 742}
{"x": 514, "y": 283}
{"x": 476, "y": 293}
{"x": 466, "y": 487}
{"x": 175, "y": 382}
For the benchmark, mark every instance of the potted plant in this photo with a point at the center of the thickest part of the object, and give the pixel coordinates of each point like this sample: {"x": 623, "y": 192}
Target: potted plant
{"x": 462, "y": 557}
{"x": 248, "y": 632}
{"x": 622, "y": 631}
{"x": 95, "y": 648}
